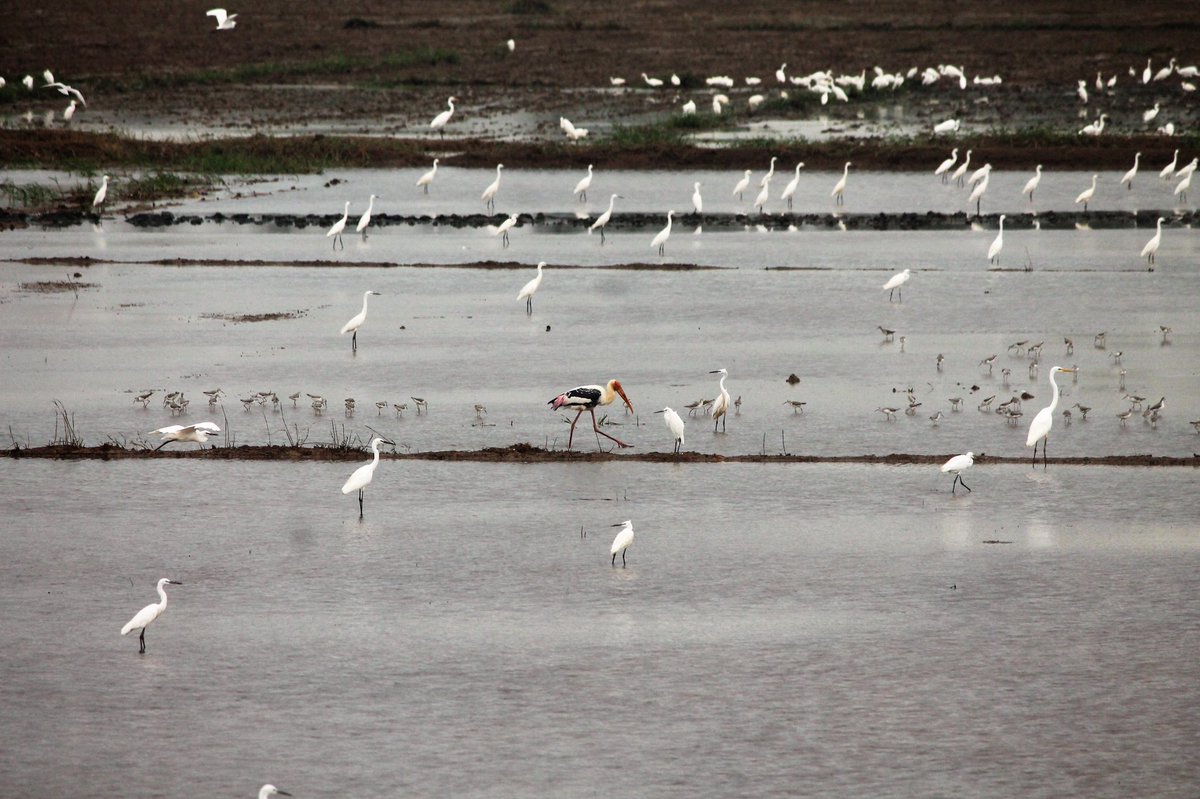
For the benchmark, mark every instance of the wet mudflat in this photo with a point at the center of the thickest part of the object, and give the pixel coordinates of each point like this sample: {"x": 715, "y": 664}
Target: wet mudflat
{"x": 836, "y": 626}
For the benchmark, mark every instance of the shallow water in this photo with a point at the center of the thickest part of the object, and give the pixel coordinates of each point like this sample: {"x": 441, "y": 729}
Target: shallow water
{"x": 840, "y": 627}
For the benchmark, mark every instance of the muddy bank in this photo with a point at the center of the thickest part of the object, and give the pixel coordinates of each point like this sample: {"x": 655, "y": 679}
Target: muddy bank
{"x": 1047, "y": 220}
{"x": 525, "y": 453}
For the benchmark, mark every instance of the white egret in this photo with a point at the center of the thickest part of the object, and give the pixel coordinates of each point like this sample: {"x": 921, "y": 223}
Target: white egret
{"x": 489, "y": 194}
{"x": 502, "y": 229}
{"x": 224, "y": 21}
{"x": 616, "y": 81}
{"x": 1188, "y": 169}
{"x": 1169, "y": 169}
{"x": 439, "y": 121}
{"x": 1150, "y": 114}
{"x": 364, "y": 474}
{"x": 765, "y": 179}
{"x": 69, "y": 111}
{"x": 789, "y": 191}
{"x": 101, "y": 193}
{"x": 980, "y": 174}
{"x": 675, "y": 81}
{"x": 198, "y": 432}
{"x": 588, "y": 398}
{"x": 1128, "y": 177}
{"x": 1085, "y": 196}
{"x": 1147, "y": 73}
{"x": 742, "y": 185}
{"x": 335, "y": 232}
{"x": 270, "y": 790}
{"x": 780, "y": 74}
{"x": 653, "y": 83}
{"x": 721, "y": 405}
{"x": 957, "y": 177}
{"x": 529, "y": 289}
{"x": 1039, "y": 430}
{"x": 660, "y": 241}
{"x": 958, "y": 464}
{"x": 356, "y": 322}
{"x": 365, "y": 219}
{"x": 697, "y": 200}
{"x": 1182, "y": 188}
{"x": 840, "y": 188}
{"x": 1032, "y": 185}
{"x": 28, "y": 82}
{"x": 1151, "y": 248}
{"x": 688, "y": 108}
{"x": 511, "y": 44}
{"x": 947, "y": 126}
{"x": 997, "y": 245}
{"x": 674, "y": 424}
{"x": 583, "y": 185}
{"x": 978, "y": 192}
{"x": 944, "y": 167}
{"x": 761, "y": 200}
{"x": 895, "y": 283}
{"x": 146, "y": 616}
{"x": 424, "y": 181}
{"x": 1165, "y": 72}
{"x": 1094, "y": 128}
{"x": 603, "y": 220}
{"x": 622, "y": 541}
{"x": 1082, "y": 91}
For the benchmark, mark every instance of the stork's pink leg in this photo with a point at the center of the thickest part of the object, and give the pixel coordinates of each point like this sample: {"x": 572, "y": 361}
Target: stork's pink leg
{"x": 596, "y": 427}
{"x": 572, "y": 436}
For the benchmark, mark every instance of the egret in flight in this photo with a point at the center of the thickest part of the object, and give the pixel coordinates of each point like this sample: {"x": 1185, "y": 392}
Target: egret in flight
{"x": 958, "y": 464}
{"x": 364, "y": 474}
{"x": 225, "y": 22}
{"x": 356, "y": 322}
{"x": 622, "y": 541}
{"x": 1039, "y": 429}
{"x": 531, "y": 288}
{"x": 146, "y": 616}
{"x": 674, "y": 424}
{"x": 588, "y": 398}
{"x": 198, "y": 432}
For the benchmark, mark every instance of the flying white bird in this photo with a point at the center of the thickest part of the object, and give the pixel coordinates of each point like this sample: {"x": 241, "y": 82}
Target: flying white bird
{"x": 225, "y": 21}
{"x": 146, "y": 616}
{"x": 199, "y": 433}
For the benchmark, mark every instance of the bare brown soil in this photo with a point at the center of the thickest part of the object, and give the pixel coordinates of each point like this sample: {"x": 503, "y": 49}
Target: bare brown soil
{"x": 526, "y": 453}
{"x": 240, "y": 318}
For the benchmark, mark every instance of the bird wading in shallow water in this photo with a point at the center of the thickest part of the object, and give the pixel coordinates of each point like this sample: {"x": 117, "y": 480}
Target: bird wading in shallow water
{"x": 530, "y": 288}
{"x": 588, "y": 398}
{"x": 621, "y": 543}
{"x": 957, "y": 465}
{"x": 356, "y": 322}
{"x": 1039, "y": 429}
{"x": 721, "y": 405}
{"x": 364, "y": 474}
{"x": 146, "y": 616}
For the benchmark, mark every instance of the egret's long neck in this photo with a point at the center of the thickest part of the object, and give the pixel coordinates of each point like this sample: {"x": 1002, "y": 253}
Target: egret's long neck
{"x": 1054, "y": 395}
{"x": 723, "y": 383}
{"x": 162, "y": 596}
{"x": 375, "y": 449}
{"x": 370, "y": 205}
{"x": 365, "y": 298}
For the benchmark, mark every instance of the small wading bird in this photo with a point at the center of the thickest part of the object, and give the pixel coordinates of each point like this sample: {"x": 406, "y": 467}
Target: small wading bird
{"x": 531, "y": 288}
{"x": 944, "y": 168}
{"x": 198, "y": 432}
{"x": 489, "y": 194}
{"x": 356, "y": 322}
{"x": 961, "y": 172}
{"x": 1039, "y": 429}
{"x": 622, "y": 541}
{"x": 101, "y": 193}
{"x": 958, "y": 464}
{"x": 602, "y": 220}
{"x": 583, "y": 185}
{"x": 225, "y": 22}
{"x": 587, "y": 398}
{"x": 697, "y": 200}
{"x": 896, "y": 282}
{"x": 439, "y": 121}
{"x": 1128, "y": 177}
{"x": 997, "y": 245}
{"x": 660, "y": 241}
{"x": 1085, "y": 196}
{"x": 365, "y": 219}
{"x": 839, "y": 188}
{"x": 742, "y": 185}
{"x": 1032, "y": 185}
{"x": 721, "y": 405}
{"x": 335, "y": 232}
{"x": 364, "y": 474}
{"x": 146, "y": 616}
{"x": 1151, "y": 248}
{"x": 789, "y": 191}
{"x": 502, "y": 229}
{"x": 424, "y": 181}
{"x": 674, "y": 424}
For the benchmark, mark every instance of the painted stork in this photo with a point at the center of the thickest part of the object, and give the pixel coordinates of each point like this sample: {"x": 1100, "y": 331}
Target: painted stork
{"x": 587, "y": 398}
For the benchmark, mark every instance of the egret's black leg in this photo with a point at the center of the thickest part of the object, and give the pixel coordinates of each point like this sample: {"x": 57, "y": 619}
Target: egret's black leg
{"x": 964, "y": 485}
{"x": 1035, "y": 445}
{"x": 623, "y": 558}
{"x": 142, "y": 642}
{"x": 601, "y": 237}
{"x": 1045, "y": 459}
{"x": 360, "y": 503}
{"x": 614, "y": 560}
{"x": 954, "y": 485}
{"x": 354, "y": 342}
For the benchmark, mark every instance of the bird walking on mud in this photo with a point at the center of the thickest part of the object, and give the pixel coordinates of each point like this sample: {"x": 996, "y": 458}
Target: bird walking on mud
{"x": 675, "y": 424}
{"x": 588, "y": 398}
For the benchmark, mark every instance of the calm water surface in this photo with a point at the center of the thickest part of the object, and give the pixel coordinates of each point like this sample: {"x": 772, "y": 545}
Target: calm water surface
{"x": 779, "y": 630}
